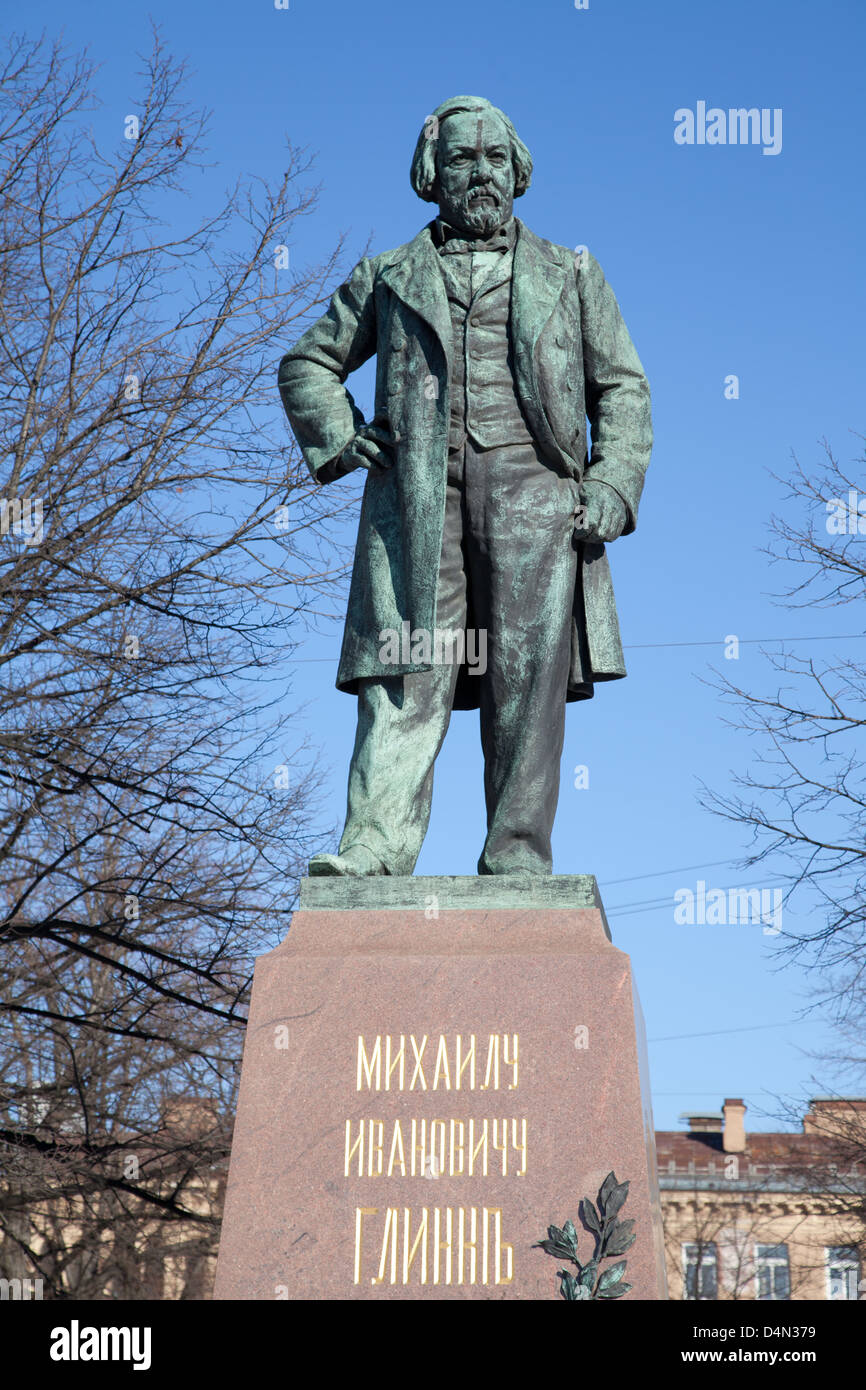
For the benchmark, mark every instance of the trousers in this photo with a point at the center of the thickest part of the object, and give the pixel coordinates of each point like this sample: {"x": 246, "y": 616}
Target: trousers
{"x": 519, "y": 599}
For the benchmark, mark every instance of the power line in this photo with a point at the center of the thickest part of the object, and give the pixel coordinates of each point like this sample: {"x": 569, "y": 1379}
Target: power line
{"x": 653, "y": 904}
{"x": 743, "y": 641}
{"x": 720, "y": 1032}
{"x": 710, "y": 1091}
{"x": 667, "y": 646}
{"x": 661, "y": 873}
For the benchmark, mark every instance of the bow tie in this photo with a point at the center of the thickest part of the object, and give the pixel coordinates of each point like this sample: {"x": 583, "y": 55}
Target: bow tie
{"x": 451, "y": 241}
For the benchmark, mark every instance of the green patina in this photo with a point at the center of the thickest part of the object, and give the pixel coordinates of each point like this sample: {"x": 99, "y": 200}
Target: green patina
{"x": 455, "y": 892}
{"x": 568, "y": 357}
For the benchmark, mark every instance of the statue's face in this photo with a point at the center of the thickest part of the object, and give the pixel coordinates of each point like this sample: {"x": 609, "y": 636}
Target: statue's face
{"x": 475, "y": 173}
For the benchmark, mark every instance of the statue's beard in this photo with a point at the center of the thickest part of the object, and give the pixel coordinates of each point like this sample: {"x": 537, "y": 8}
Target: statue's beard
{"x": 480, "y": 210}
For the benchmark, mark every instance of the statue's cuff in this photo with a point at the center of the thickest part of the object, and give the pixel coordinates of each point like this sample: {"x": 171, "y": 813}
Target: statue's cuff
{"x": 335, "y": 468}
{"x": 588, "y": 482}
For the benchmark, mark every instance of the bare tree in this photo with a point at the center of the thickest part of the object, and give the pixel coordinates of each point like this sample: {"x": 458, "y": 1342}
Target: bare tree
{"x": 161, "y": 540}
{"x": 804, "y": 795}
{"x": 803, "y": 798}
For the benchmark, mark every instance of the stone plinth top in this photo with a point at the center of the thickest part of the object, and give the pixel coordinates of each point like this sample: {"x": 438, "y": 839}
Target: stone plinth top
{"x": 452, "y": 892}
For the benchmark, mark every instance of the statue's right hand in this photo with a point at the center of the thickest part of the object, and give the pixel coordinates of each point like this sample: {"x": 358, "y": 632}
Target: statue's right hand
{"x": 371, "y": 449}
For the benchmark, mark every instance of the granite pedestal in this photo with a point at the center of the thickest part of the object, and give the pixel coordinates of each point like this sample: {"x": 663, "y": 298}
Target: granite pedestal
{"x": 435, "y": 1071}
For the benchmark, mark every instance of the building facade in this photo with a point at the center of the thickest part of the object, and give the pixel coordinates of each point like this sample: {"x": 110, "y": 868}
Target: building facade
{"x": 766, "y": 1216}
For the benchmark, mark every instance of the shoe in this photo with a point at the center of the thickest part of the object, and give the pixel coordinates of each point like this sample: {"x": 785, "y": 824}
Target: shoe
{"x": 356, "y": 860}
{"x": 517, "y": 870}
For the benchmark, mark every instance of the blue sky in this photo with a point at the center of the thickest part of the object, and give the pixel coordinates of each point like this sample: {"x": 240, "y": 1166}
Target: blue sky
{"x": 725, "y": 261}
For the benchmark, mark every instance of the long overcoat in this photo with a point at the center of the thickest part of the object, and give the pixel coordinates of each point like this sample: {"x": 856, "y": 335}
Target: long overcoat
{"x": 573, "y": 358}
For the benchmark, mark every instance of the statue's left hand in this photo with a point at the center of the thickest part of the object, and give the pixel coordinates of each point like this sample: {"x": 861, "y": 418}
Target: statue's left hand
{"x": 372, "y": 448}
{"x": 602, "y": 516}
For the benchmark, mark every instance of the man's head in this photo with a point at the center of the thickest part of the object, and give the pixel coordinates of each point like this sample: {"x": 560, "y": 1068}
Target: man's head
{"x": 469, "y": 160}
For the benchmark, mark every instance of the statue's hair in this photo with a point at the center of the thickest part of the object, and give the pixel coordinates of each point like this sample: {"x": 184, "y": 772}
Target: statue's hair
{"x": 423, "y": 172}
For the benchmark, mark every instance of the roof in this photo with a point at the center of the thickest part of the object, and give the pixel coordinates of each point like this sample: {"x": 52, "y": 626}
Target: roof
{"x": 697, "y": 1159}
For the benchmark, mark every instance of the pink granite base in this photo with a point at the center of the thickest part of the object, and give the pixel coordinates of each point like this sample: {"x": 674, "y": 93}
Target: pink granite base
{"x": 297, "y": 1226}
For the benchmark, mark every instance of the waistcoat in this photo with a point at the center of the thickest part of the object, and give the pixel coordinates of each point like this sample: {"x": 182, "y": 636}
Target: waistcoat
{"x": 484, "y": 402}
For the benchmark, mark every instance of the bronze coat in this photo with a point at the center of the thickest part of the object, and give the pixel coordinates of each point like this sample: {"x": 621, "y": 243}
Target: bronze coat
{"x": 573, "y": 358}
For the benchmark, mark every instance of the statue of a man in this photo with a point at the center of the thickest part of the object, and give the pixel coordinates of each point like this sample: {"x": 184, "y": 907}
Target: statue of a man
{"x": 480, "y": 576}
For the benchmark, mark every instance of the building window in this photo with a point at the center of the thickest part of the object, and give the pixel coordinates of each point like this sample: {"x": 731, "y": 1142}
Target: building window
{"x": 700, "y": 1271}
{"x": 773, "y": 1272}
{"x": 843, "y": 1271}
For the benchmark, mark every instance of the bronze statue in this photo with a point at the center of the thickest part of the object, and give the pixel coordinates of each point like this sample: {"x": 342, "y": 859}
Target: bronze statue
{"x": 480, "y": 576}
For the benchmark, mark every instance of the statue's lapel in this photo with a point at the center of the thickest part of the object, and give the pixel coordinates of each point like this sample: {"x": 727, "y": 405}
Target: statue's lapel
{"x": 538, "y": 281}
{"x": 416, "y": 278}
